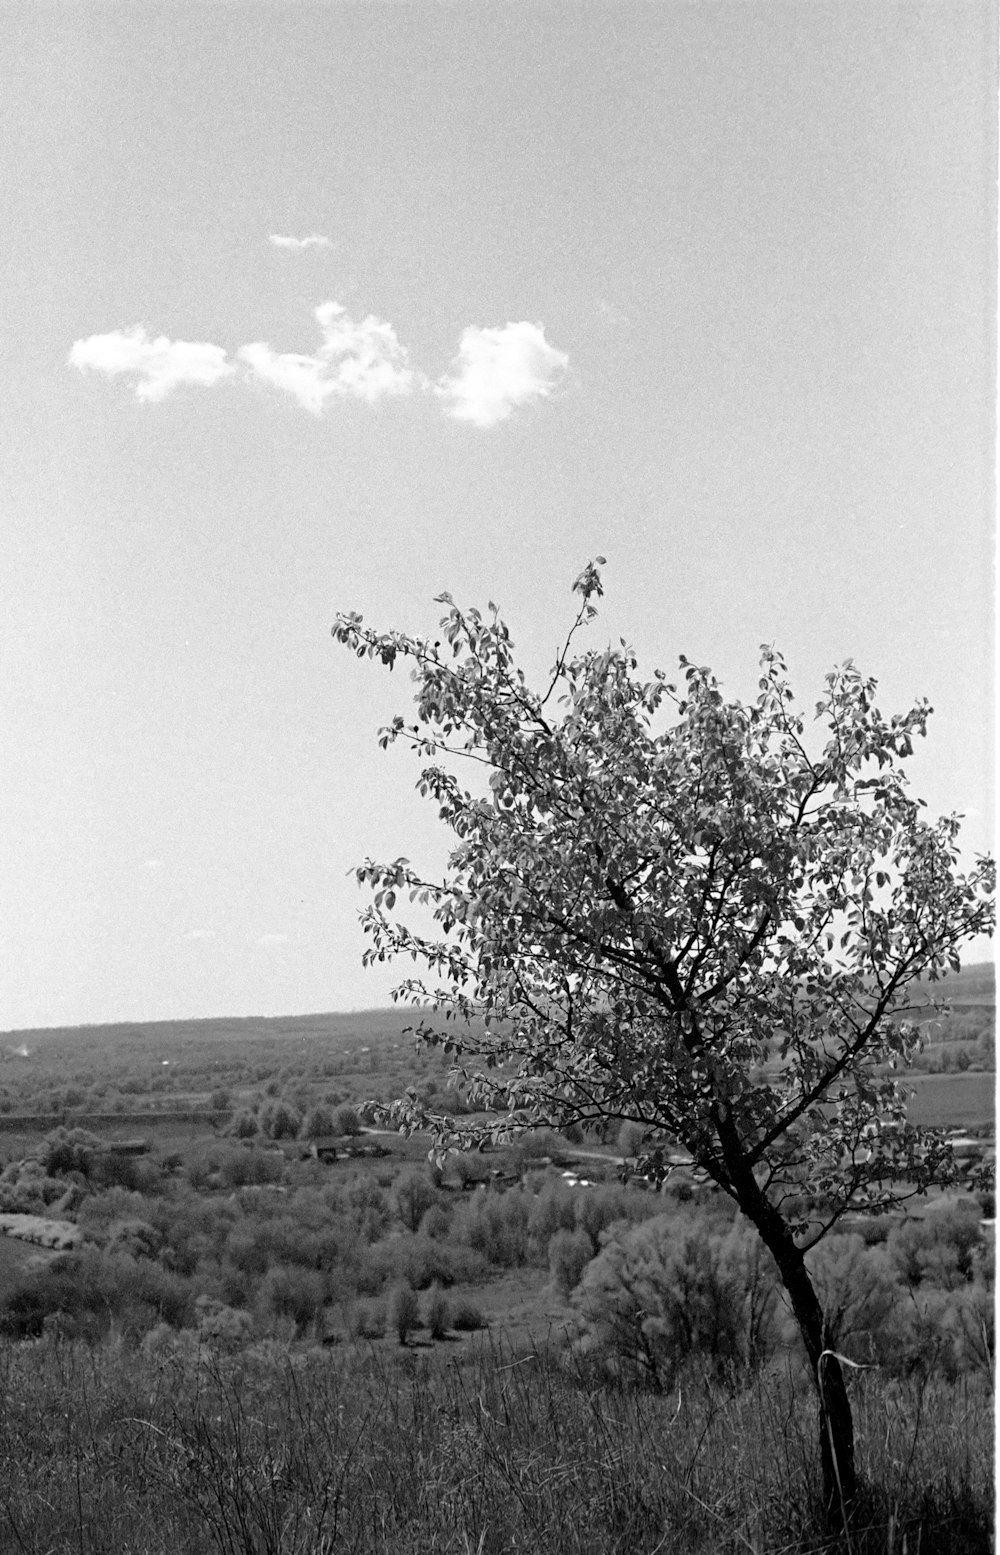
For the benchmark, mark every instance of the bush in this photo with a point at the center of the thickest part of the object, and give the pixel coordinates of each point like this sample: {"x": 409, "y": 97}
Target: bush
{"x": 292, "y": 1293}
{"x": 135, "y": 1237}
{"x": 552, "y": 1209}
{"x": 496, "y": 1225}
{"x": 244, "y": 1124}
{"x": 436, "y": 1222}
{"x": 672, "y": 1289}
{"x": 68, "y": 1150}
{"x": 418, "y": 1260}
{"x": 466, "y": 1317}
{"x": 251, "y": 1168}
{"x": 366, "y": 1320}
{"x": 436, "y": 1313}
{"x": 413, "y": 1195}
{"x": 403, "y": 1311}
{"x": 222, "y": 1327}
{"x": 278, "y": 1120}
{"x": 318, "y": 1123}
{"x": 940, "y": 1248}
{"x": 346, "y": 1120}
{"x": 569, "y": 1254}
{"x": 862, "y": 1300}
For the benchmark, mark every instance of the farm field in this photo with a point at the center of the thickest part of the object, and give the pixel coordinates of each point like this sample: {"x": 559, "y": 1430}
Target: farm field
{"x": 954, "y": 1100}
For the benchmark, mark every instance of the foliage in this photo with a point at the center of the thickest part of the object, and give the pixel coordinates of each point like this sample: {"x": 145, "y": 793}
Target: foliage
{"x": 667, "y": 908}
{"x": 569, "y": 1254}
{"x": 318, "y": 1123}
{"x": 668, "y": 1291}
{"x": 279, "y": 1120}
{"x": 658, "y": 913}
{"x": 436, "y": 1313}
{"x": 404, "y": 1311}
{"x": 244, "y": 1124}
{"x": 413, "y": 1196}
{"x": 346, "y": 1120}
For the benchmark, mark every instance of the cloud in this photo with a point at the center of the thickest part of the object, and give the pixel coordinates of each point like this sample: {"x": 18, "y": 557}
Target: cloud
{"x": 270, "y": 940}
{"x": 199, "y": 934}
{"x": 498, "y": 369}
{"x": 495, "y": 371}
{"x": 314, "y": 240}
{"x": 153, "y": 863}
{"x": 159, "y": 365}
{"x": 355, "y": 361}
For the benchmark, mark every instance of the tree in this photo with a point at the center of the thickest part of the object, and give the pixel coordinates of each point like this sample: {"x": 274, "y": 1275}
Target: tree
{"x": 413, "y": 1195}
{"x": 667, "y": 908}
{"x": 317, "y": 1123}
{"x": 279, "y": 1121}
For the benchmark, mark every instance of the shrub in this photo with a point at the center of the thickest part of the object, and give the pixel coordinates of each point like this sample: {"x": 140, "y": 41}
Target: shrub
{"x": 403, "y": 1311}
{"x": 671, "y": 1289}
{"x": 569, "y": 1254}
{"x": 862, "y": 1301}
{"x": 939, "y": 1248}
{"x": 436, "y": 1222}
{"x": 318, "y": 1123}
{"x": 251, "y": 1168}
{"x": 224, "y": 1328}
{"x": 436, "y": 1313}
{"x": 243, "y": 1125}
{"x": 413, "y": 1195}
{"x": 135, "y": 1237}
{"x": 418, "y": 1260}
{"x": 466, "y": 1317}
{"x": 496, "y": 1225}
{"x": 292, "y": 1293}
{"x": 278, "y": 1120}
{"x": 68, "y": 1150}
{"x": 551, "y": 1210}
{"x": 366, "y": 1320}
{"x": 346, "y": 1120}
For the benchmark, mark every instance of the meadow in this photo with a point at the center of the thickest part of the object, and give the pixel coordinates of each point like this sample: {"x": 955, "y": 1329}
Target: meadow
{"x": 284, "y": 1330}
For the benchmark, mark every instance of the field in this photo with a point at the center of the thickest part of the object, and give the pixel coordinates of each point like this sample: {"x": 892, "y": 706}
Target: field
{"x": 286, "y": 1332}
{"x": 965, "y": 1101}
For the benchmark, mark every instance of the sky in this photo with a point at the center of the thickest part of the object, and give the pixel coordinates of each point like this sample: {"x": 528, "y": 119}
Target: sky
{"x": 319, "y": 307}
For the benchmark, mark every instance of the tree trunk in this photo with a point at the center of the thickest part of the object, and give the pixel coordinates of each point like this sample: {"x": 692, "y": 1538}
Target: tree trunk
{"x": 836, "y": 1425}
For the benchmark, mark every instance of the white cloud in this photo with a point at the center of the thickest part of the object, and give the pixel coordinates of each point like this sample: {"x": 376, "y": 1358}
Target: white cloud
{"x": 270, "y": 940}
{"x": 358, "y": 361}
{"x": 199, "y": 934}
{"x": 495, "y": 371}
{"x": 153, "y": 863}
{"x": 159, "y": 365}
{"x": 314, "y": 240}
{"x": 498, "y": 369}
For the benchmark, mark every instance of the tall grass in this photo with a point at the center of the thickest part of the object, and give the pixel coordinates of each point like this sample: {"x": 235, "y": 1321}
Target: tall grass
{"x": 109, "y": 1451}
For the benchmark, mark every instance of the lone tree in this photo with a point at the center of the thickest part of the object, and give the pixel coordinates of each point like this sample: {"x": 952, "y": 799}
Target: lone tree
{"x": 684, "y": 912}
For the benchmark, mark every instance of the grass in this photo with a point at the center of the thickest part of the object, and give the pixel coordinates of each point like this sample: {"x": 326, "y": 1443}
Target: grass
{"x": 107, "y": 1452}
{"x": 952, "y": 1100}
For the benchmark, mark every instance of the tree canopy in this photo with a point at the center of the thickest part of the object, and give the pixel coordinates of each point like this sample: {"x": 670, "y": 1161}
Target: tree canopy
{"x": 710, "y": 918}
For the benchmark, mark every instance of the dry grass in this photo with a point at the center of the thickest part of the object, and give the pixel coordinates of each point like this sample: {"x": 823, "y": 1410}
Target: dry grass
{"x": 105, "y": 1452}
